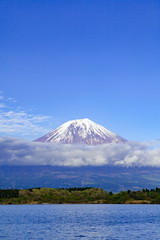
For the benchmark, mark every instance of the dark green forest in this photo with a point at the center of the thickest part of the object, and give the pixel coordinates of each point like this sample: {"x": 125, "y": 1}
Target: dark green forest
{"x": 87, "y": 195}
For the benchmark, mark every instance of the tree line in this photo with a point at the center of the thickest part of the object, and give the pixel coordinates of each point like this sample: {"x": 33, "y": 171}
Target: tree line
{"x": 78, "y": 195}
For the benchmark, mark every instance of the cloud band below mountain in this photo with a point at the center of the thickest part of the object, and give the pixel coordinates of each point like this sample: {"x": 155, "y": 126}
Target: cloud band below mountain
{"x": 21, "y": 152}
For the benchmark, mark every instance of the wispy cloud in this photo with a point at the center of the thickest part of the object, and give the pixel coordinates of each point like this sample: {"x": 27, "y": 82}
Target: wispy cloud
{"x": 2, "y": 105}
{"x": 17, "y": 122}
{"x": 21, "y": 152}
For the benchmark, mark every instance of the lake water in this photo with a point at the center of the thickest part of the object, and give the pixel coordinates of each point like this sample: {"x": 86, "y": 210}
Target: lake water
{"x": 71, "y": 222}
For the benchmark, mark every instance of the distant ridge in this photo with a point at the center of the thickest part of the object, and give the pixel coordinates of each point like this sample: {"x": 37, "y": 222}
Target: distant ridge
{"x": 81, "y": 131}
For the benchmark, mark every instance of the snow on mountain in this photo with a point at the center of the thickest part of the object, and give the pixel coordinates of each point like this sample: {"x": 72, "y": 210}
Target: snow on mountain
{"x": 81, "y": 131}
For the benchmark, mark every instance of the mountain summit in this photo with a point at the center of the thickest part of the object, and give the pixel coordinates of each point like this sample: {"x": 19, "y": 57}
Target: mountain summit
{"x": 81, "y": 131}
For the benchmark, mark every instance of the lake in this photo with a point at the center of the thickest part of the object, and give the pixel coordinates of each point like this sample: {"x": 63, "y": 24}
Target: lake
{"x": 84, "y": 221}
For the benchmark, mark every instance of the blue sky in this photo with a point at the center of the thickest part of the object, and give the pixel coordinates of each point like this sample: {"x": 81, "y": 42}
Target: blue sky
{"x": 63, "y": 60}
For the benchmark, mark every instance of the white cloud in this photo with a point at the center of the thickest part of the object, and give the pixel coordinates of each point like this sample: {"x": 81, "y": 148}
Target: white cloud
{"x": 21, "y": 123}
{"x": 11, "y": 100}
{"x": 2, "y": 105}
{"x": 21, "y": 152}
{"x": 1, "y": 96}
{"x": 17, "y": 122}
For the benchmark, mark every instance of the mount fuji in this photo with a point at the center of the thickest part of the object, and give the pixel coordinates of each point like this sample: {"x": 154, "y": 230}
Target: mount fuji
{"x": 81, "y": 131}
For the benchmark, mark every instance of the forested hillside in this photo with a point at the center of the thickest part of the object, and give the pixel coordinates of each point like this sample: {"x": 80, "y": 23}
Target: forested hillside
{"x": 78, "y": 196}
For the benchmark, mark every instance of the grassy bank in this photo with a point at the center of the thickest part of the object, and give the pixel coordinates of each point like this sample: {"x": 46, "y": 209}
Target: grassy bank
{"x": 78, "y": 196}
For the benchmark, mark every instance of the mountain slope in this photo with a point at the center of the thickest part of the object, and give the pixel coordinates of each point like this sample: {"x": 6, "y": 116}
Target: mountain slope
{"x": 82, "y": 131}
{"x": 107, "y": 177}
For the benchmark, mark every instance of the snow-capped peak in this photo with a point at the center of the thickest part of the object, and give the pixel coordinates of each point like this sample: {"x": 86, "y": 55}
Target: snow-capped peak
{"x": 81, "y": 131}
